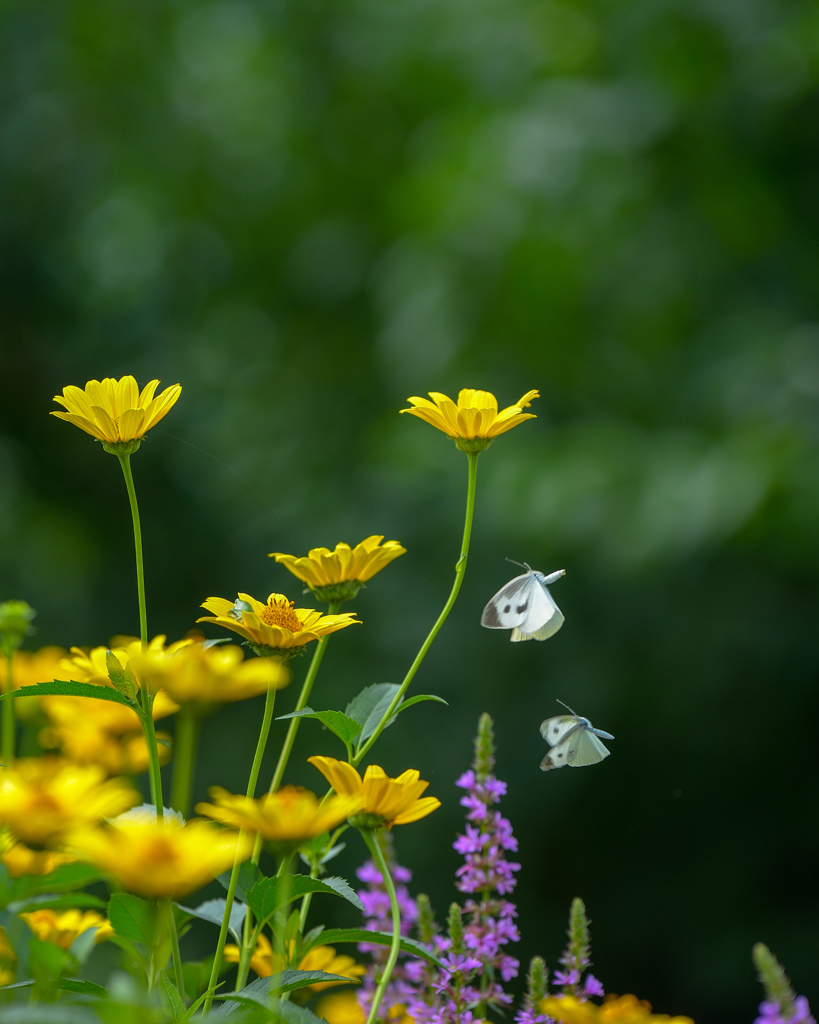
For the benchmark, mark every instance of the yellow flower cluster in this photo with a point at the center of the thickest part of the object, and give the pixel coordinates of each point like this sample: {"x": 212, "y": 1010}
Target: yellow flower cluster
{"x": 63, "y": 928}
{"x": 30, "y": 667}
{"x": 321, "y": 958}
{"x": 626, "y": 1009}
{"x": 344, "y": 1008}
{"x": 100, "y": 731}
{"x": 291, "y": 815}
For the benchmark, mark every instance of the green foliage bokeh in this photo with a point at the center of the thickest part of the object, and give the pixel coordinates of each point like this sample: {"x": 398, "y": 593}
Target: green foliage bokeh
{"x": 304, "y": 213}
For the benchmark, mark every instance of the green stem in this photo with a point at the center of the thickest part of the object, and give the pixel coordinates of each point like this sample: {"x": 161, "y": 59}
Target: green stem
{"x": 374, "y": 846}
{"x": 185, "y": 743}
{"x": 223, "y": 931}
{"x": 167, "y": 911}
{"x": 304, "y": 696}
{"x": 460, "y": 570}
{"x": 146, "y": 698}
{"x": 9, "y": 721}
{"x": 264, "y": 732}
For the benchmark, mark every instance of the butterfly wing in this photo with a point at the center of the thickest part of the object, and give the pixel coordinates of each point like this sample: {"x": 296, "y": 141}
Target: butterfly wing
{"x": 553, "y": 730}
{"x": 509, "y": 608}
{"x": 543, "y": 617}
{"x": 578, "y": 748}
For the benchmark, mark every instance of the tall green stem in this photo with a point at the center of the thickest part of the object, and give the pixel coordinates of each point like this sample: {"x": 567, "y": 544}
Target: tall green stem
{"x": 185, "y": 742}
{"x": 167, "y": 912}
{"x": 374, "y": 846}
{"x": 8, "y": 725}
{"x": 146, "y": 698}
{"x": 304, "y": 696}
{"x": 264, "y": 732}
{"x": 460, "y": 570}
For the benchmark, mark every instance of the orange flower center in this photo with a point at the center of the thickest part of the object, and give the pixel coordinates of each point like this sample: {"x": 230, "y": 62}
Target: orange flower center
{"x": 281, "y": 613}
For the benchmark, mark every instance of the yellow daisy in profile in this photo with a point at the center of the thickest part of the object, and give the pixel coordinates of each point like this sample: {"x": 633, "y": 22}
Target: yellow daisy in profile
{"x": 275, "y": 628}
{"x": 63, "y": 927}
{"x": 194, "y": 674}
{"x": 474, "y": 421}
{"x": 292, "y": 815}
{"x": 384, "y": 801}
{"x": 158, "y": 860}
{"x": 626, "y": 1009}
{"x": 338, "y": 575}
{"x": 321, "y": 958}
{"x": 20, "y": 859}
{"x": 43, "y": 798}
{"x": 116, "y": 412}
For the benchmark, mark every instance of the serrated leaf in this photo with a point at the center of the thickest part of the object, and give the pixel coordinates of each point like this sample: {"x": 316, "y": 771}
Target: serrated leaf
{"x": 132, "y": 918}
{"x": 369, "y": 706}
{"x": 172, "y": 1003}
{"x": 415, "y": 700}
{"x": 258, "y": 992}
{"x": 62, "y": 879}
{"x": 70, "y": 688}
{"x": 345, "y": 728}
{"x": 302, "y": 884}
{"x": 122, "y": 679}
{"x": 249, "y": 875}
{"x": 330, "y": 936}
{"x": 214, "y": 911}
{"x": 263, "y": 899}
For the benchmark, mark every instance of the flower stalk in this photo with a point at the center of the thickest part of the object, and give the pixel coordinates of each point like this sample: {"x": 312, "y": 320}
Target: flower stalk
{"x": 185, "y": 743}
{"x": 374, "y": 846}
{"x": 460, "y": 571}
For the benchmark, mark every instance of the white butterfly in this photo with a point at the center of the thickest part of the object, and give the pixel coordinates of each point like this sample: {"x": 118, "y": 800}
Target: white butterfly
{"x": 574, "y": 741}
{"x": 525, "y": 606}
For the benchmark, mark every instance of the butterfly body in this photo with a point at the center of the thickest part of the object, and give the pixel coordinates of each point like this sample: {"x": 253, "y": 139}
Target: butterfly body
{"x": 526, "y": 607}
{"x": 574, "y": 741}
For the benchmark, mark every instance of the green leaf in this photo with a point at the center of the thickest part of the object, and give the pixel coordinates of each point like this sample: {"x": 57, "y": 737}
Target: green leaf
{"x": 122, "y": 679}
{"x": 303, "y": 884}
{"x": 172, "y": 1003}
{"x": 415, "y": 700}
{"x": 42, "y": 1013}
{"x": 214, "y": 911}
{"x": 70, "y": 688}
{"x": 345, "y": 728}
{"x": 263, "y": 899}
{"x": 86, "y": 988}
{"x": 249, "y": 875}
{"x": 369, "y": 706}
{"x": 46, "y": 902}
{"x": 330, "y": 936}
{"x": 83, "y": 945}
{"x": 62, "y": 879}
{"x": 46, "y": 962}
{"x": 132, "y": 918}
{"x": 257, "y": 993}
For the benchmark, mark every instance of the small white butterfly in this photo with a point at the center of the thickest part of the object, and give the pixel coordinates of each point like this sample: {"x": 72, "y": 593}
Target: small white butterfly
{"x": 574, "y": 741}
{"x": 525, "y": 606}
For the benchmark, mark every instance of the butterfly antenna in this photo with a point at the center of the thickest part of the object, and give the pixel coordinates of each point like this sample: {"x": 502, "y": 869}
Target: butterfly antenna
{"x": 566, "y": 706}
{"x": 523, "y": 565}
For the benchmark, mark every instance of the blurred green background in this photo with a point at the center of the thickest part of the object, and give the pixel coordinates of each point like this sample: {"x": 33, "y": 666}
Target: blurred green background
{"x": 304, "y": 213}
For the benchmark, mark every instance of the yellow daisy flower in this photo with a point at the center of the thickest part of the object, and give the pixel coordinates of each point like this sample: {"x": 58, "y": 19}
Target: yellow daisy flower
{"x": 62, "y": 928}
{"x": 291, "y": 815}
{"x": 626, "y": 1009}
{"x": 191, "y": 673}
{"x": 474, "y": 421}
{"x": 20, "y": 859}
{"x": 384, "y": 801}
{"x": 338, "y": 575}
{"x": 158, "y": 860}
{"x": 28, "y": 668}
{"x": 344, "y": 1008}
{"x": 116, "y": 412}
{"x": 43, "y": 798}
{"x": 274, "y": 628}
{"x": 75, "y": 731}
{"x": 321, "y": 958}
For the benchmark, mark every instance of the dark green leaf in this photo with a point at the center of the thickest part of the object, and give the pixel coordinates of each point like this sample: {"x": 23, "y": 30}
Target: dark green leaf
{"x": 132, "y": 918}
{"x": 345, "y": 728}
{"x": 172, "y": 1003}
{"x": 249, "y": 875}
{"x": 70, "y": 688}
{"x": 302, "y": 884}
{"x": 361, "y": 707}
{"x": 263, "y": 898}
{"x": 416, "y": 700}
{"x": 330, "y": 936}
{"x": 82, "y": 946}
{"x": 86, "y": 988}
{"x": 258, "y": 993}
{"x": 62, "y": 879}
{"x": 214, "y": 911}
